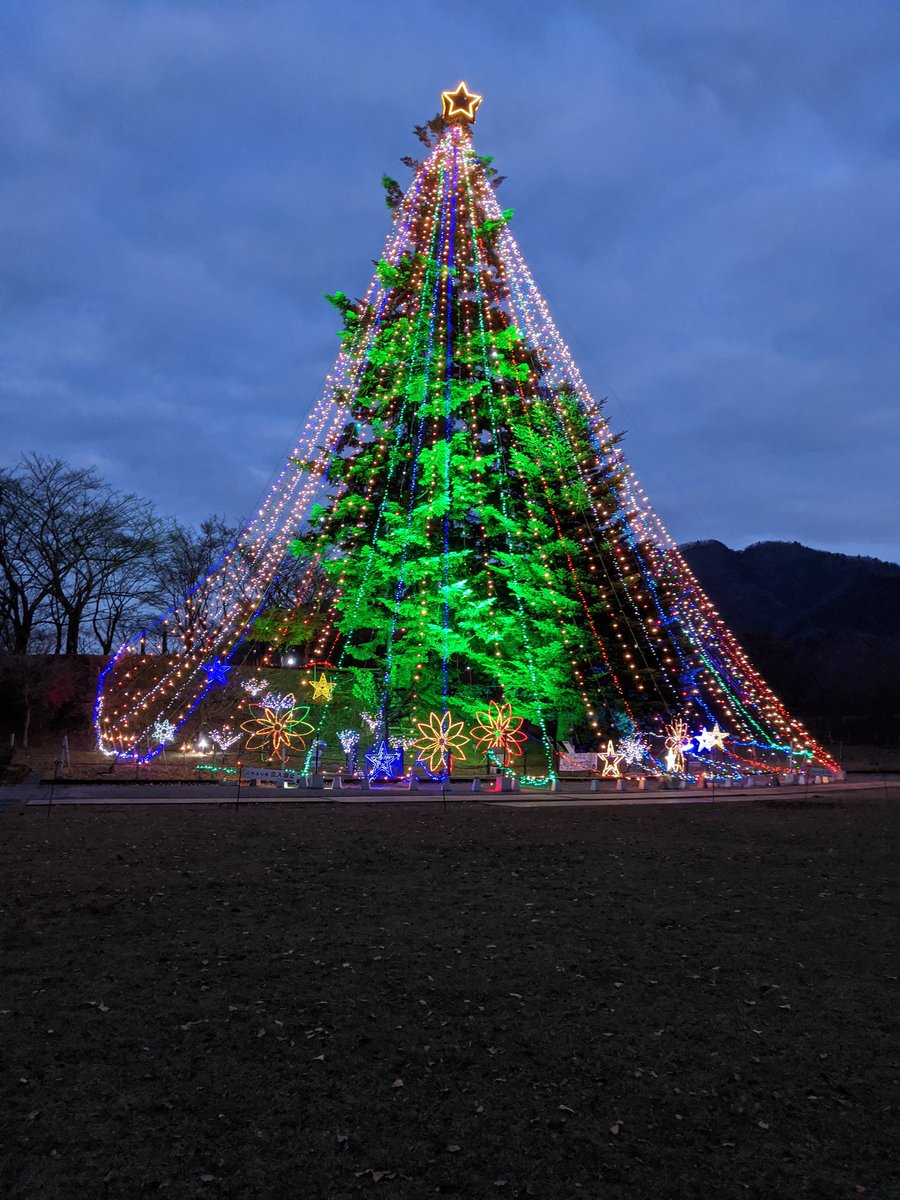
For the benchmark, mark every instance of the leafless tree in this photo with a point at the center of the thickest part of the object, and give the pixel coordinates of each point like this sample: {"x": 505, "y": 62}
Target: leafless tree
{"x": 26, "y": 584}
{"x": 183, "y": 558}
{"x": 67, "y": 540}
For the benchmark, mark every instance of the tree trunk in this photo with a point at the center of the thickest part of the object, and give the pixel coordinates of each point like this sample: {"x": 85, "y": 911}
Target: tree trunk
{"x": 73, "y": 629}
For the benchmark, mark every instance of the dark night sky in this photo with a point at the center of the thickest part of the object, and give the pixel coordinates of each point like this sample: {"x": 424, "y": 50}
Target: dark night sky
{"x": 708, "y": 194}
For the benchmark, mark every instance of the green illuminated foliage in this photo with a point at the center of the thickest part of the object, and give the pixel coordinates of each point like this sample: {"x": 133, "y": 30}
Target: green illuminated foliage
{"x": 453, "y": 532}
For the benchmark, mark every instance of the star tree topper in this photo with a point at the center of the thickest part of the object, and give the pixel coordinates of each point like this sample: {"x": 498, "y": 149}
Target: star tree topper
{"x": 460, "y": 105}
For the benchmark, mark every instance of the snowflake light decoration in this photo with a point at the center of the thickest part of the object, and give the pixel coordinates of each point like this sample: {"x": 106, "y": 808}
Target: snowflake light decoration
{"x": 278, "y": 701}
{"x": 277, "y": 729}
{"x": 349, "y": 739}
{"x": 224, "y": 738}
{"x": 255, "y": 687}
{"x": 498, "y": 729}
{"x": 372, "y": 722}
{"x": 406, "y": 741}
{"x": 163, "y": 732}
{"x": 441, "y": 738}
{"x": 633, "y": 747}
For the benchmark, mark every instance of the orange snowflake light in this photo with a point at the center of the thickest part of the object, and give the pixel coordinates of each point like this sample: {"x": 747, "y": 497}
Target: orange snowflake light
{"x": 442, "y": 737}
{"x": 278, "y": 730}
{"x": 498, "y": 729}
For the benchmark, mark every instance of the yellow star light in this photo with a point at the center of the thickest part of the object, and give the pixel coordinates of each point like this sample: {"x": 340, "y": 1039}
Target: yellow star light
{"x": 712, "y": 739}
{"x": 323, "y": 689}
{"x": 460, "y": 105}
{"x": 611, "y": 759}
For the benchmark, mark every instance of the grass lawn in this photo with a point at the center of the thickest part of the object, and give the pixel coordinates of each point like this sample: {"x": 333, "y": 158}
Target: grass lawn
{"x": 326, "y": 1002}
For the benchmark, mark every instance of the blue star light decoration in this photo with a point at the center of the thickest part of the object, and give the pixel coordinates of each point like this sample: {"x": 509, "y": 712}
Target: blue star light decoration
{"x": 384, "y": 762}
{"x": 216, "y": 671}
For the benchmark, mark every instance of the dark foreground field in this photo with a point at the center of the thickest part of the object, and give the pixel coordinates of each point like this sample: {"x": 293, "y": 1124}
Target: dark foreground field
{"x": 483, "y": 1002}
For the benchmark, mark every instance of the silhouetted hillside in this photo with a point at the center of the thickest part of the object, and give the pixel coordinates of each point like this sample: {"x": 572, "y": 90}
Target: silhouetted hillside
{"x": 823, "y": 628}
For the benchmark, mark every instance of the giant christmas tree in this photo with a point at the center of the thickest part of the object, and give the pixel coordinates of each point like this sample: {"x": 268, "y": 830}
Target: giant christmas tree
{"x": 486, "y": 567}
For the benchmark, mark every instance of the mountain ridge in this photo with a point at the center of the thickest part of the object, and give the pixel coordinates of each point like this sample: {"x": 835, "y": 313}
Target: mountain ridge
{"x": 822, "y": 627}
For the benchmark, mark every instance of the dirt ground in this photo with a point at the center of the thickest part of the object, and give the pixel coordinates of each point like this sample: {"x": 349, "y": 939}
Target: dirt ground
{"x": 478, "y": 1002}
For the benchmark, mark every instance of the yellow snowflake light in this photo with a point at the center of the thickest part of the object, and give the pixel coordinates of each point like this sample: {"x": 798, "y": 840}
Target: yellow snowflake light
{"x": 279, "y": 731}
{"x": 498, "y": 729}
{"x": 442, "y": 737}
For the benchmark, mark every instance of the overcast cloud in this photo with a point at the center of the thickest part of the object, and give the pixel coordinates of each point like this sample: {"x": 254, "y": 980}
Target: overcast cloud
{"x": 708, "y": 195}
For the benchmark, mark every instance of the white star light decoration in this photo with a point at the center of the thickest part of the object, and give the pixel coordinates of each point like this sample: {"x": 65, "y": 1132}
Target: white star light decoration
{"x": 711, "y": 739}
{"x": 163, "y": 732}
{"x": 384, "y": 762}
